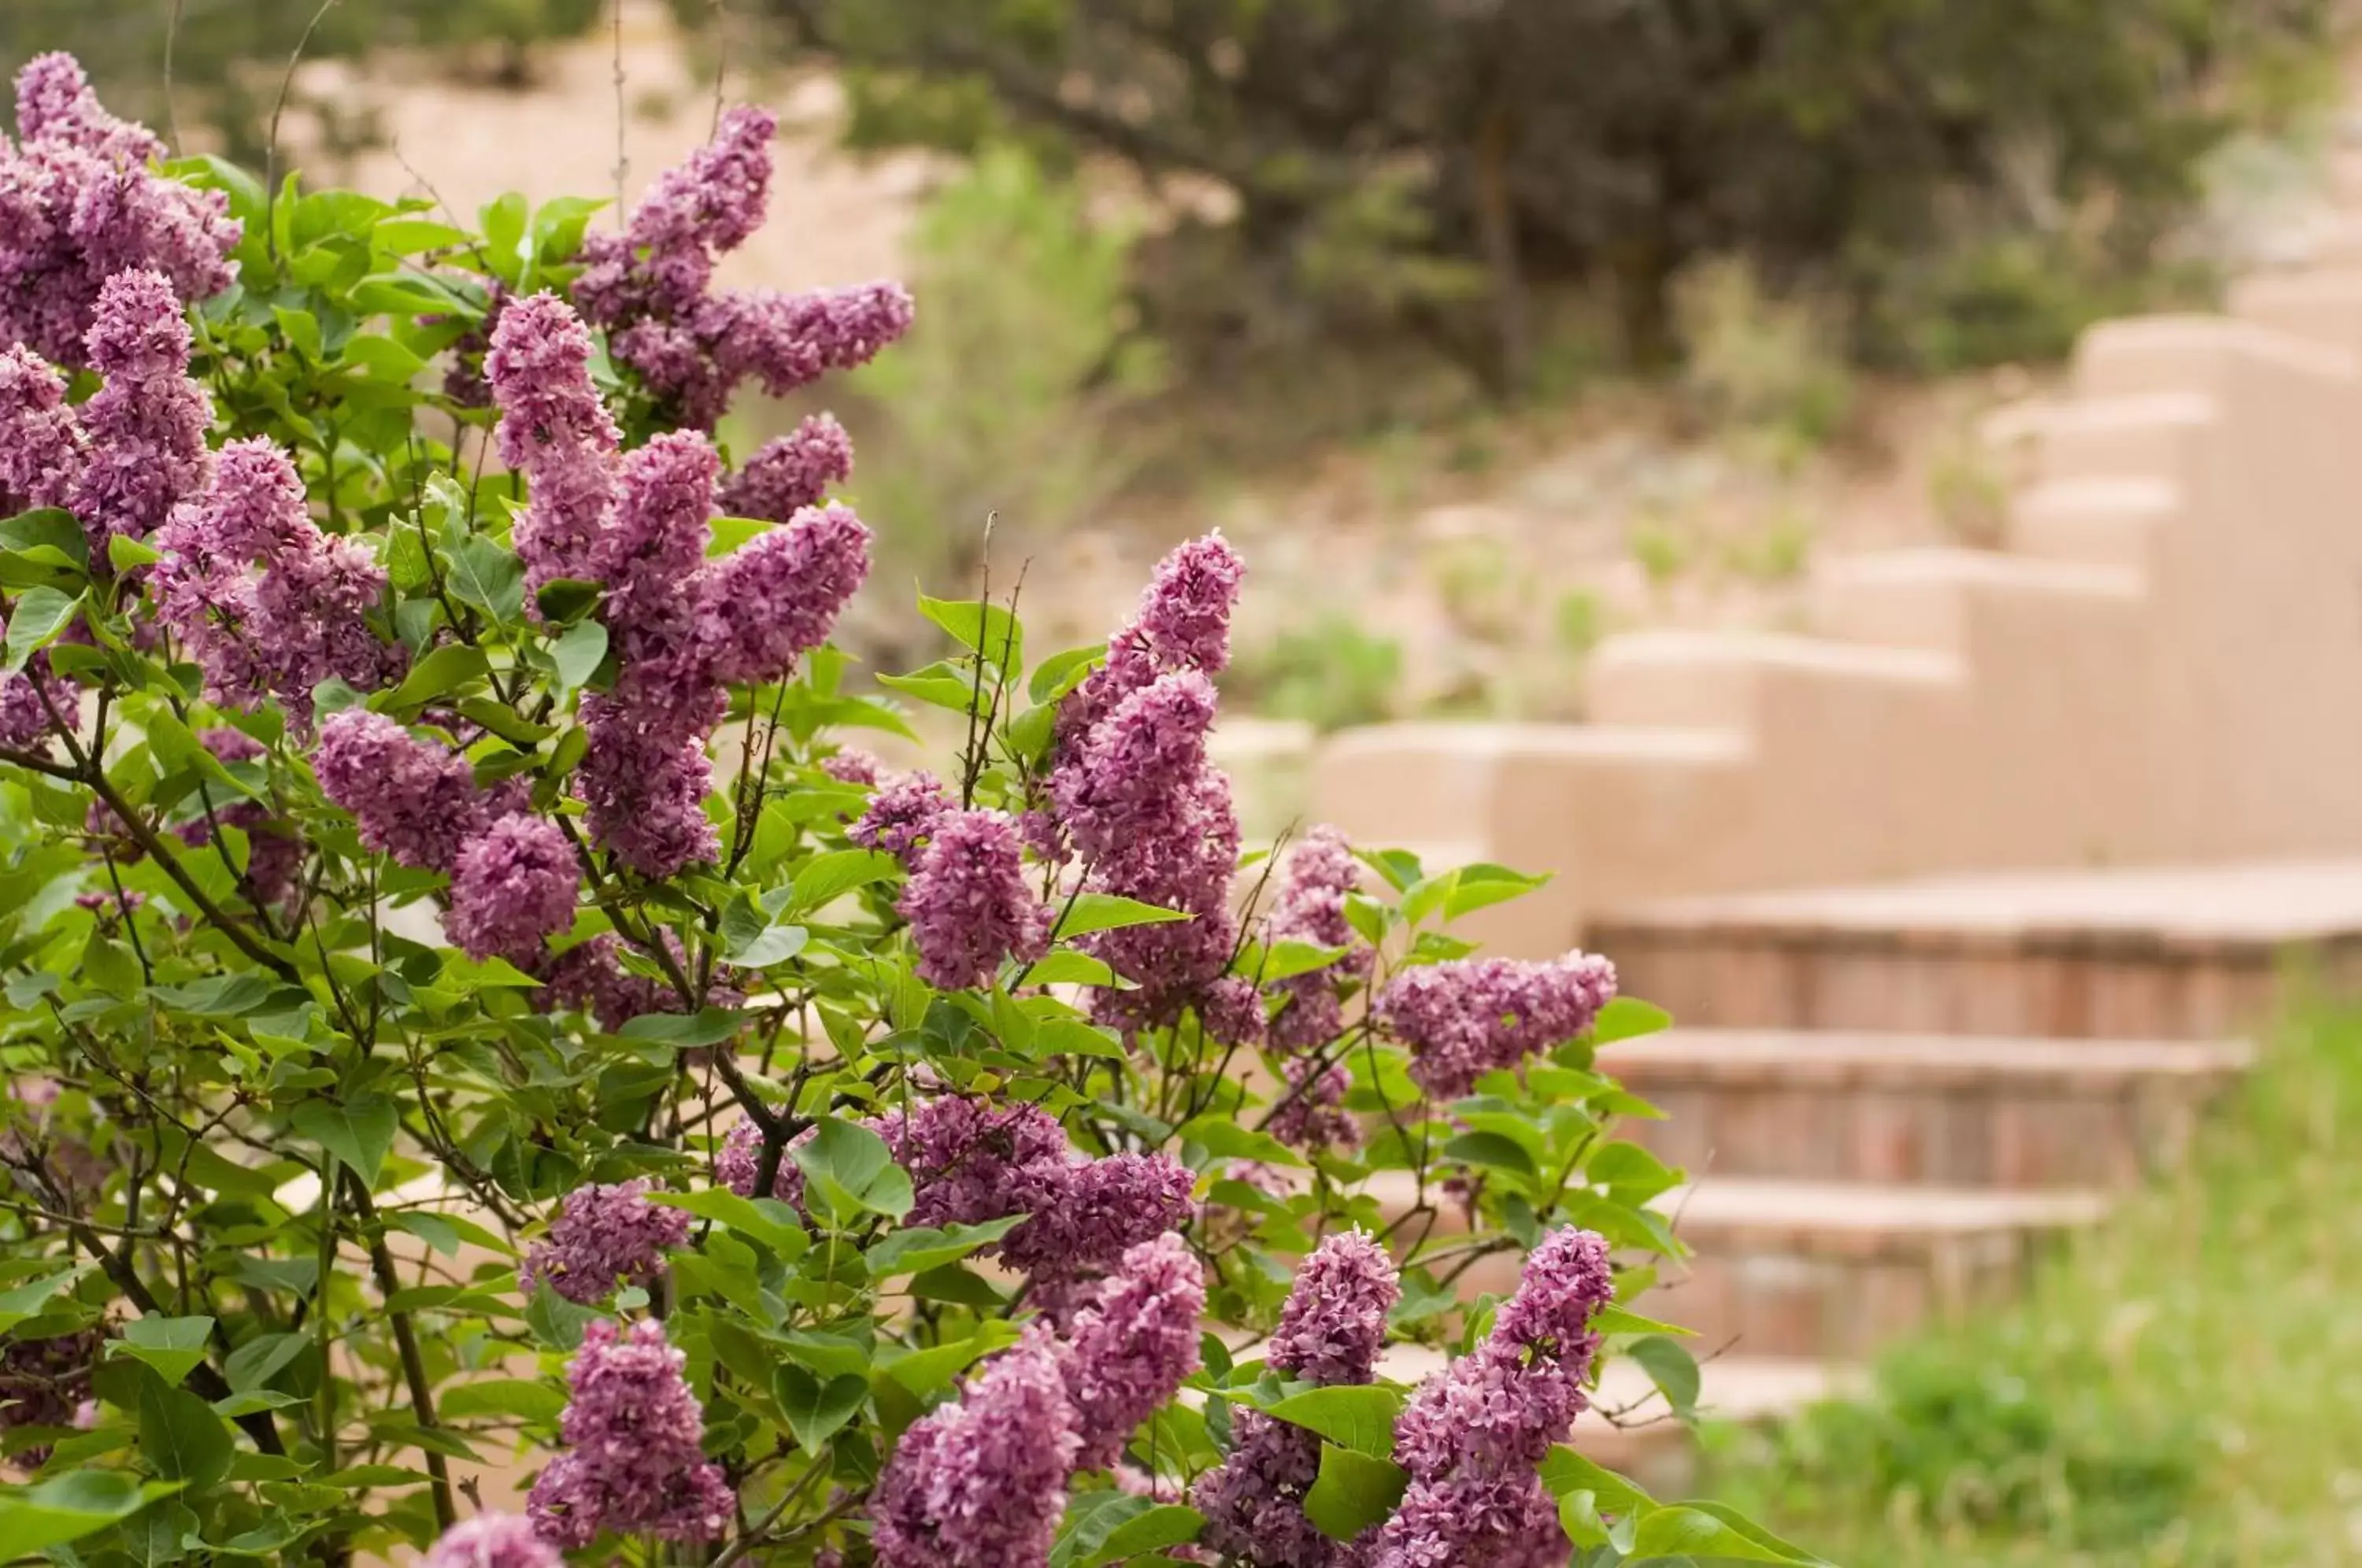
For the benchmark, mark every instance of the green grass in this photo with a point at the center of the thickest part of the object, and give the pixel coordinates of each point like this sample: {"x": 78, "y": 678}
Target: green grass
{"x": 2183, "y": 1388}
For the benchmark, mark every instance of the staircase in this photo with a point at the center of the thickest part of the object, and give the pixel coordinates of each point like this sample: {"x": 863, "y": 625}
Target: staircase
{"x": 1901, "y": 1074}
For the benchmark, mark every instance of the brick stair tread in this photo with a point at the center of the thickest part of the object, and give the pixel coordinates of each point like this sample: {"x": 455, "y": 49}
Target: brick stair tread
{"x": 1732, "y": 1388}
{"x": 1855, "y": 1217}
{"x": 1833, "y": 1058}
{"x": 2237, "y": 904}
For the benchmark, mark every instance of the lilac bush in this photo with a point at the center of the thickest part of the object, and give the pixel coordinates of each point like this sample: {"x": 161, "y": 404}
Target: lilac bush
{"x": 474, "y": 1011}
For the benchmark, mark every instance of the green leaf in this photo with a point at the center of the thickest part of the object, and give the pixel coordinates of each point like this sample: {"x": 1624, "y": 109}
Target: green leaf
{"x": 524, "y": 1397}
{"x": 1285, "y": 960}
{"x": 1106, "y": 912}
{"x": 218, "y": 996}
{"x": 1565, "y": 1471}
{"x": 408, "y": 235}
{"x": 708, "y": 1026}
{"x": 922, "y": 1372}
{"x": 50, "y": 528}
{"x": 1068, "y": 967}
{"x": 985, "y": 629}
{"x": 826, "y": 877}
{"x": 254, "y": 1364}
{"x": 938, "y": 685}
{"x": 173, "y": 1346}
{"x": 564, "y": 598}
{"x": 1152, "y": 1530}
{"x": 918, "y": 1249}
{"x": 488, "y": 577}
{"x": 67, "y": 1508}
{"x": 504, "y": 223}
{"x": 28, "y": 1301}
{"x": 35, "y": 620}
{"x": 752, "y": 940}
{"x": 1712, "y": 1530}
{"x": 442, "y": 671}
{"x": 359, "y": 1132}
{"x": 1628, "y": 1018}
{"x": 770, "y": 1222}
{"x": 300, "y": 328}
{"x": 817, "y": 1411}
{"x": 124, "y": 552}
{"x": 1061, "y": 672}
{"x": 1361, "y": 1418}
{"x": 556, "y": 1322}
{"x": 1482, "y": 885}
{"x": 1672, "y": 1369}
{"x": 849, "y": 1167}
{"x": 579, "y": 653}
{"x": 1489, "y": 1149}
{"x": 1614, "y": 1320}
{"x": 182, "y": 1437}
{"x": 1352, "y": 1492}
{"x": 729, "y": 533}
{"x": 1221, "y": 1136}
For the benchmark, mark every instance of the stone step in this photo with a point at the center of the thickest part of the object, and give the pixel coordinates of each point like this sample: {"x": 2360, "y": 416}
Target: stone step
{"x": 2093, "y": 522}
{"x": 2166, "y": 354}
{"x": 1627, "y": 1428}
{"x": 2185, "y": 954}
{"x": 1953, "y": 601}
{"x": 1953, "y": 1110}
{"x": 2138, "y": 436}
{"x": 2321, "y": 304}
{"x": 1726, "y": 680}
{"x": 1834, "y": 1270}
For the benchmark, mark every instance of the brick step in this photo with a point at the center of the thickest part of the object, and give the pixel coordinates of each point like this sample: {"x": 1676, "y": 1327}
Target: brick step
{"x": 1835, "y": 1271}
{"x": 2187, "y": 954}
{"x": 1947, "y": 1109}
{"x": 1627, "y": 1428}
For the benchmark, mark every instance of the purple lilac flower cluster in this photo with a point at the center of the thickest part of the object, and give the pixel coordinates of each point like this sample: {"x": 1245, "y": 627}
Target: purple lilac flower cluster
{"x": 633, "y": 1463}
{"x": 970, "y": 1163}
{"x": 79, "y": 205}
{"x": 1130, "y": 1348}
{"x": 650, "y": 287}
{"x": 1132, "y": 795}
{"x": 602, "y": 1237}
{"x": 493, "y": 1540}
{"x": 981, "y": 1482}
{"x": 591, "y": 975}
{"x": 265, "y": 603}
{"x": 1309, "y": 906}
{"x": 1329, "y": 1332}
{"x": 683, "y": 628}
{"x": 514, "y": 877}
{"x": 1472, "y": 1016}
{"x": 968, "y": 900}
{"x": 1471, "y": 1436}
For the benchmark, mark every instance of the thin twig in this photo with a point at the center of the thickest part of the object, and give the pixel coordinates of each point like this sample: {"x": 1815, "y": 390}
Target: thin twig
{"x": 721, "y": 59}
{"x": 623, "y": 160}
{"x": 270, "y": 152}
{"x": 172, "y": 107}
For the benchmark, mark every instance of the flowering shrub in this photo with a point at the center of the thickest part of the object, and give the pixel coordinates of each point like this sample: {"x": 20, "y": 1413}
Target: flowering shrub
{"x": 495, "y": 1073}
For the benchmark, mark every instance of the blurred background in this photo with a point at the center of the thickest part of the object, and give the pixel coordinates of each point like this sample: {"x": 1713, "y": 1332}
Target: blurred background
{"x": 1493, "y": 330}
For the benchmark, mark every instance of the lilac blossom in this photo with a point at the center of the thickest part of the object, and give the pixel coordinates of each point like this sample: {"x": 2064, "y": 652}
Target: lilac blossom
{"x": 413, "y": 801}
{"x": 591, "y": 975}
{"x": 604, "y": 1237}
{"x": 27, "y": 699}
{"x": 774, "y": 598}
{"x": 1107, "y": 1207}
{"x": 80, "y": 205}
{"x": 853, "y": 765}
{"x": 739, "y": 1161}
{"x": 145, "y": 426}
{"x": 790, "y": 473}
{"x": 901, "y": 815}
{"x": 981, "y": 1482}
{"x": 493, "y": 1540}
{"x": 41, "y": 444}
{"x": 651, "y": 549}
{"x": 633, "y": 1463}
{"x": 968, "y": 902}
{"x": 1467, "y": 1017}
{"x": 651, "y": 288}
{"x": 513, "y": 887}
{"x": 1183, "y": 622}
{"x": 1129, "y": 1350}
{"x": 554, "y": 429}
{"x": 971, "y": 1162}
{"x": 1329, "y": 1333}
{"x": 1310, "y": 1114}
{"x": 645, "y": 782}
{"x": 264, "y": 601}
{"x": 1309, "y": 907}
{"x": 1472, "y": 1434}
{"x": 274, "y": 851}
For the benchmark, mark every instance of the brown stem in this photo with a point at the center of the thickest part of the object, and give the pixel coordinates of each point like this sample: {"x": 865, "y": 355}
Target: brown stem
{"x": 405, "y": 1344}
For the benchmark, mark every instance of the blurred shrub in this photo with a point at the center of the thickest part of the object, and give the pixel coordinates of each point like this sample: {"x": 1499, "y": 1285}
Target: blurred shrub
{"x": 1020, "y": 292}
{"x": 1662, "y": 547}
{"x": 1483, "y": 589}
{"x": 1578, "y": 623}
{"x": 1767, "y": 365}
{"x": 1433, "y": 161}
{"x": 229, "y": 56}
{"x": 1331, "y": 674}
{"x": 1777, "y": 549}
